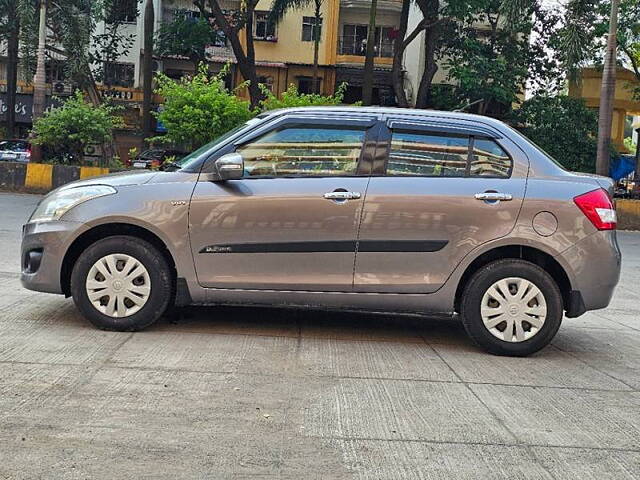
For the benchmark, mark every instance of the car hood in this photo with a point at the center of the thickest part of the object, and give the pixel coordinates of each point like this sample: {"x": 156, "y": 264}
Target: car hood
{"x": 114, "y": 179}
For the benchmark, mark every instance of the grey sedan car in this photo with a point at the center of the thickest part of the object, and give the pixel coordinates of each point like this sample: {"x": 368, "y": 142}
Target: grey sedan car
{"x": 338, "y": 207}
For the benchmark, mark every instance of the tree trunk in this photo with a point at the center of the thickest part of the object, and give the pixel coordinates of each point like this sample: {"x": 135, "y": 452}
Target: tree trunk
{"x": 367, "y": 80}
{"x": 12, "y": 67}
{"x": 39, "y": 79}
{"x": 147, "y": 68}
{"x": 607, "y": 95}
{"x": 315, "y": 32}
{"x": 246, "y": 61}
{"x": 423, "y": 97}
{"x": 398, "y": 56}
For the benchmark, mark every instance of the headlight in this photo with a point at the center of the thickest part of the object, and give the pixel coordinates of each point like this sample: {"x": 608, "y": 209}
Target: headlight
{"x": 56, "y": 205}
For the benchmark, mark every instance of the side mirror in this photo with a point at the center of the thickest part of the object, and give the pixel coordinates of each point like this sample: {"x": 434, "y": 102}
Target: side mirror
{"x": 230, "y": 166}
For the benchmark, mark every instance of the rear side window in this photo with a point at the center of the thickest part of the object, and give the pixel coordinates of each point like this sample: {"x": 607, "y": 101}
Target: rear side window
{"x": 427, "y": 154}
{"x": 304, "y": 151}
{"x": 488, "y": 159}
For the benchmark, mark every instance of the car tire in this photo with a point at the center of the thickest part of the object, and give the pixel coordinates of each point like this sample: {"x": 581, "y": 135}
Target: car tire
{"x": 130, "y": 302}
{"x": 511, "y": 324}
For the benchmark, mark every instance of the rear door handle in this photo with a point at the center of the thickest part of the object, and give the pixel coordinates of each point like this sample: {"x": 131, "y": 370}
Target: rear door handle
{"x": 342, "y": 195}
{"x": 493, "y": 196}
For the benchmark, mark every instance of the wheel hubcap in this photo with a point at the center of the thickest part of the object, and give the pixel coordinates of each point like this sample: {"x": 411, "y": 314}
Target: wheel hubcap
{"x": 513, "y": 309}
{"x": 118, "y": 285}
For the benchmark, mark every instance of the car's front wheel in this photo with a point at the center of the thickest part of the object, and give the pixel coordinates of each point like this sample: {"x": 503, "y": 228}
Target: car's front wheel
{"x": 121, "y": 283}
{"x": 511, "y": 307}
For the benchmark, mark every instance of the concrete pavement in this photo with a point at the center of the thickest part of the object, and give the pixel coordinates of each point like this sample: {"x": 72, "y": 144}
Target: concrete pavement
{"x": 266, "y": 393}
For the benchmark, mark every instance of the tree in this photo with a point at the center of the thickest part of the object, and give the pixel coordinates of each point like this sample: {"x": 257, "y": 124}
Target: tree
{"x": 607, "y": 93}
{"x": 279, "y": 9}
{"x": 491, "y": 65}
{"x": 198, "y": 109}
{"x": 367, "y": 80}
{"x": 10, "y": 32}
{"x": 562, "y": 126}
{"x": 147, "y": 68}
{"x": 232, "y": 23}
{"x": 39, "y": 79}
{"x": 75, "y": 125}
{"x": 291, "y": 98}
{"x": 186, "y": 37}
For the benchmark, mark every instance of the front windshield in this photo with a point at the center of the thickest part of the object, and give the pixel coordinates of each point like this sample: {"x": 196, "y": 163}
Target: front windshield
{"x": 190, "y": 160}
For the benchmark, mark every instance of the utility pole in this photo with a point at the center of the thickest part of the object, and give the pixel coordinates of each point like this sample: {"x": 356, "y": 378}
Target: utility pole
{"x": 39, "y": 79}
{"x": 607, "y": 93}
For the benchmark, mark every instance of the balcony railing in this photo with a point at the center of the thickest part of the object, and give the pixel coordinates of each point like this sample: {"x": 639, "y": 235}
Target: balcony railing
{"x": 351, "y": 45}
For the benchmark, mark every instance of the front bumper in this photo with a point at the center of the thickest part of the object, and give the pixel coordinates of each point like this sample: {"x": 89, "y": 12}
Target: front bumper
{"x": 595, "y": 264}
{"x": 44, "y": 246}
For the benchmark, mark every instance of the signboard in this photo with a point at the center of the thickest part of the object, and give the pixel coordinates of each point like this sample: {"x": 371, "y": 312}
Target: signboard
{"x": 24, "y": 107}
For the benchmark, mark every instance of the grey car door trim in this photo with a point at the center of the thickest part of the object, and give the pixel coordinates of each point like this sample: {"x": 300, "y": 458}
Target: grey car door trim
{"x": 330, "y": 246}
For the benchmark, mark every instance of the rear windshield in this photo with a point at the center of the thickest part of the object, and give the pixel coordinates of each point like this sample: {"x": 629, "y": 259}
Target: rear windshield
{"x": 14, "y": 146}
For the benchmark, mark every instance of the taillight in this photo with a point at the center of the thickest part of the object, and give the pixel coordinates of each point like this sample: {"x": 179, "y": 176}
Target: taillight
{"x": 598, "y": 208}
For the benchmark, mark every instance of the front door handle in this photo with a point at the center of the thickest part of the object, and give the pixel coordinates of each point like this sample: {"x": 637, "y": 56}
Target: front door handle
{"x": 343, "y": 196}
{"x": 493, "y": 196}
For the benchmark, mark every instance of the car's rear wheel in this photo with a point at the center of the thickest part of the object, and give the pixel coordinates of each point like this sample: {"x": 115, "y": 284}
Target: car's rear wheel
{"x": 511, "y": 307}
{"x": 121, "y": 283}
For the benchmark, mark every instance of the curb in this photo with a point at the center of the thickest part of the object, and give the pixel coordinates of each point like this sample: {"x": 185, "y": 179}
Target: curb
{"x": 42, "y": 177}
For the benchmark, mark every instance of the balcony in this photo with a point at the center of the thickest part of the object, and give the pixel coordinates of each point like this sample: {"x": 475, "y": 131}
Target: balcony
{"x": 357, "y": 46}
{"x": 364, "y": 5}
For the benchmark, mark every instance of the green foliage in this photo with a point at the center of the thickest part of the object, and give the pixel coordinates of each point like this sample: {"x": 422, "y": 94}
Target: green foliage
{"x": 291, "y": 98}
{"x": 74, "y": 125}
{"x": 492, "y": 65}
{"x": 185, "y": 37}
{"x": 198, "y": 109}
{"x": 562, "y": 126}
{"x": 628, "y": 143}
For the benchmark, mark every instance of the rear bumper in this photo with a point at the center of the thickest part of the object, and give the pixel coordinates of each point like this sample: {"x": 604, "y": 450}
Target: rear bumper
{"x": 44, "y": 246}
{"x": 594, "y": 264}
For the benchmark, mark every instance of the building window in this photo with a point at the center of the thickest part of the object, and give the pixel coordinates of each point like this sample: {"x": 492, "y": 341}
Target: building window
{"x": 54, "y": 71}
{"x": 267, "y": 82}
{"x": 118, "y": 74}
{"x": 307, "y": 29}
{"x": 305, "y": 84}
{"x": 354, "y": 40}
{"x": 123, "y": 11}
{"x": 263, "y": 29}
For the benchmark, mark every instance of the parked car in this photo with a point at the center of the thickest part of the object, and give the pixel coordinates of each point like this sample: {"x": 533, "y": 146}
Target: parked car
{"x": 155, "y": 157}
{"x": 376, "y": 209}
{"x": 15, "y": 151}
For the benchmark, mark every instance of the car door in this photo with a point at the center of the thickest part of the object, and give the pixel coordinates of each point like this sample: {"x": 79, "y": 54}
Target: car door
{"x": 441, "y": 191}
{"x": 291, "y": 222}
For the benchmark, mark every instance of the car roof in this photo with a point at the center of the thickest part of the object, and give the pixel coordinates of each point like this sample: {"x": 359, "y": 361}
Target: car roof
{"x": 394, "y": 111}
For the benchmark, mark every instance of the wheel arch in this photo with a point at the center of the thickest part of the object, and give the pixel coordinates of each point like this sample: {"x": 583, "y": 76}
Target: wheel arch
{"x": 105, "y": 230}
{"x": 522, "y": 252}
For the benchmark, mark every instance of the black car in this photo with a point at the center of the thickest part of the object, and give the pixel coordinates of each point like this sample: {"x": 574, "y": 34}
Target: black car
{"x": 155, "y": 157}
{"x": 15, "y": 151}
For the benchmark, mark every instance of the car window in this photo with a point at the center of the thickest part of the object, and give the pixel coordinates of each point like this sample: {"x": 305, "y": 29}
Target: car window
{"x": 193, "y": 159}
{"x": 488, "y": 159}
{"x": 13, "y": 146}
{"x": 312, "y": 150}
{"x": 428, "y": 154}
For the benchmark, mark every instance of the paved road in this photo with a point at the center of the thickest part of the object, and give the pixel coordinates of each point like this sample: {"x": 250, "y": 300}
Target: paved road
{"x": 244, "y": 393}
